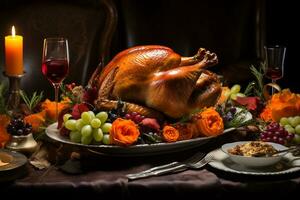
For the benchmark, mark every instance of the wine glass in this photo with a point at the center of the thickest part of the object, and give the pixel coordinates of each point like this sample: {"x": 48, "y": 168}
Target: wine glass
{"x": 55, "y": 63}
{"x": 274, "y": 65}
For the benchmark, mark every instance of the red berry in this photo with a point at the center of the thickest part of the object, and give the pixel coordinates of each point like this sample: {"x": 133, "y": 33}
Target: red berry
{"x": 281, "y": 141}
{"x": 127, "y": 116}
{"x": 133, "y": 114}
{"x": 138, "y": 118}
{"x": 268, "y": 139}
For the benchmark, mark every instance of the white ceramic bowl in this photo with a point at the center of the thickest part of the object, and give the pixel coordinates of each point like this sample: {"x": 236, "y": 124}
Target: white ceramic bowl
{"x": 253, "y": 162}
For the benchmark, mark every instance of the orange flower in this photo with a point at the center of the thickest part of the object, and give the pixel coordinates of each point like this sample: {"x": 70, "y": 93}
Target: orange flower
{"x": 4, "y": 136}
{"x": 266, "y": 114}
{"x": 123, "y": 132}
{"x": 209, "y": 122}
{"x": 170, "y": 134}
{"x": 50, "y": 107}
{"x": 185, "y": 131}
{"x": 36, "y": 120}
{"x": 282, "y": 104}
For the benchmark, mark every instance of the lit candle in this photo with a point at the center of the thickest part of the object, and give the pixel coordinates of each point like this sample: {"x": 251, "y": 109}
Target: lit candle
{"x": 14, "y": 54}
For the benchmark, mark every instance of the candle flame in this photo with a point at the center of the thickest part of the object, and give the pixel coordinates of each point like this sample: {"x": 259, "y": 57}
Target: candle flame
{"x": 13, "y": 31}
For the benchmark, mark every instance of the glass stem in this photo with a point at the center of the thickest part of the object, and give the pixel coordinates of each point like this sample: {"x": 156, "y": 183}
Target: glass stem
{"x": 56, "y": 88}
{"x": 273, "y": 90}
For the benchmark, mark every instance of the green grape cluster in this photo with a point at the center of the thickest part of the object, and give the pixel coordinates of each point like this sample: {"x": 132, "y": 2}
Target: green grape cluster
{"x": 292, "y": 125}
{"x": 89, "y": 128}
{"x": 235, "y": 92}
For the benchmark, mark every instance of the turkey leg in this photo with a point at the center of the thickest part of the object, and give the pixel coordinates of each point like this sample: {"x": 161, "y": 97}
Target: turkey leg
{"x": 202, "y": 55}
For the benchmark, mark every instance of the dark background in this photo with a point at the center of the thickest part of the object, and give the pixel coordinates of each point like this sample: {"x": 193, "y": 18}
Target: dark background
{"x": 187, "y": 25}
{"x": 226, "y": 27}
{"x": 282, "y": 28}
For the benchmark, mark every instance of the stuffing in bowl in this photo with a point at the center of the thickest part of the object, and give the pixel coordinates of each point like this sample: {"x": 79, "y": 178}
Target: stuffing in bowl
{"x": 254, "y": 153}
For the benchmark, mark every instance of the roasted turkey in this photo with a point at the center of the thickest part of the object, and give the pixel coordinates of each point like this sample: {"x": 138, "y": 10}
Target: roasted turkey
{"x": 155, "y": 81}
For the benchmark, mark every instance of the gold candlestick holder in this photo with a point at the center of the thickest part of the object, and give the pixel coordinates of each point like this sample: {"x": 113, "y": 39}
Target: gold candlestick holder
{"x": 13, "y": 98}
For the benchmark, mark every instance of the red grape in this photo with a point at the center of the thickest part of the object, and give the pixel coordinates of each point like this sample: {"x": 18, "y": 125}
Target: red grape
{"x": 127, "y": 116}
{"x": 263, "y": 135}
{"x": 134, "y": 116}
{"x": 138, "y": 118}
{"x": 281, "y": 141}
{"x": 275, "y": 133}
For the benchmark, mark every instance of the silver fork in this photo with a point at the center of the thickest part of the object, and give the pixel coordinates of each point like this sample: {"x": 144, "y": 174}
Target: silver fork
{"x": 201, "y": 163}
{"x": 181, "y": 167}
{"x": 196, "y": 157}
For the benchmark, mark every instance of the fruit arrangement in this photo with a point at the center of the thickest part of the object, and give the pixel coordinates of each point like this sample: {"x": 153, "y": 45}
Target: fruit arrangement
{"x": 235, "y": 91}
{"x": 116, "y": 127}
{"x": 271, "y": 120}
{"x": 18, "y": 127}
{"x": 134, "y": 116}
{"x": 292, "y": 126}
{"x": 277, "y": 134}
{"x": 88, "y": 128}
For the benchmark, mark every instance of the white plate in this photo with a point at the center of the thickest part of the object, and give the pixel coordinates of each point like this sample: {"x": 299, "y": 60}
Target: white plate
{"x": 288, "y": 164}
{"x": 134, "y": 150}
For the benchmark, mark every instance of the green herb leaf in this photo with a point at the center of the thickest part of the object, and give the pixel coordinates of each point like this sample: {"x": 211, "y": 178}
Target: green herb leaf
{"x": 249, "y": 88}
{"x": 32, "y": 101}
{"x": 259, "y": 79}
{"x": 256, "y": 87}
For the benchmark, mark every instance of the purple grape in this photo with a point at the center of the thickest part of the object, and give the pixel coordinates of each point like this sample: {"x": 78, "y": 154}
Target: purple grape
{"x": 133, "y": 114}
{"x": 18, "y": 127}
{"x": 268, "y": 139}
{"x": 128, "y": 116}
{"x": 284, "y": 133}
{"x": 290, "y": 136}
{"x": 27, "y": 130}
{"x": 269, "y": 133}
{"x": 137, "y": 118}
{"x": 232, "y": 110}
{"x": 275, "y": 139}
{"x": 272, "y": 129}
{"x": 277, "y": 133}
{"x": 264, "y": 139}
{"x": 20, "y": 132}
{"x": 275, "y": 125}
{"x": 281, "y": 141}
{"x": 263, "y": 135}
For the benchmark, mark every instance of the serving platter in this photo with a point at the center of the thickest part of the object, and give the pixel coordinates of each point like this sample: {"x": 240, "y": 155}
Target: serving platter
{"x": 134, "y": 150}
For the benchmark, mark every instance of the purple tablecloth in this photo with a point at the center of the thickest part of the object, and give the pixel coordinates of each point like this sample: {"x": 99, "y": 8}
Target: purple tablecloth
{"x": 110, "y": 182}
{"x": 105, "y": 177}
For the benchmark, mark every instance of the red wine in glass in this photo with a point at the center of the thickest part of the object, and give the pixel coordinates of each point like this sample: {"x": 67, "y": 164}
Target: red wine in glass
{"x": 274, "y": 73}
{"x": 55, "y": 70}
{"x": 55, "y": 63}
{"x": 274, "y": 68}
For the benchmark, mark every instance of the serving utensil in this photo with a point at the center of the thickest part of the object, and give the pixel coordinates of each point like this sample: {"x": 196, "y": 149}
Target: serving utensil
{"x": 183, "y": 166}
{"x": 292, "y": 149}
